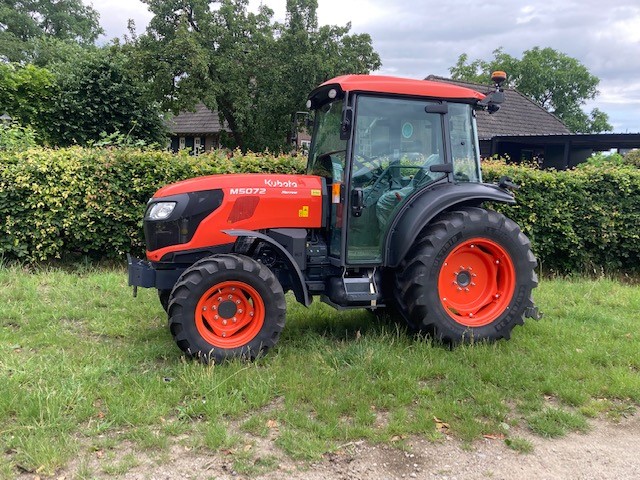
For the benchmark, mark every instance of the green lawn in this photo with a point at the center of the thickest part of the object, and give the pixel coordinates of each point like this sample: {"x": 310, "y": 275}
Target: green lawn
{"x": 84, "y": 367}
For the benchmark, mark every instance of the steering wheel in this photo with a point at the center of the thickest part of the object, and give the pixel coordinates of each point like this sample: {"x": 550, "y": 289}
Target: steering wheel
{"x": 366, "y": 169}
{"x": 373, "y": 194}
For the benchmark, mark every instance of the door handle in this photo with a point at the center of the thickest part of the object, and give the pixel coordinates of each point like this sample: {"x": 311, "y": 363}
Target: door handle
{"x": 357, "y": 201}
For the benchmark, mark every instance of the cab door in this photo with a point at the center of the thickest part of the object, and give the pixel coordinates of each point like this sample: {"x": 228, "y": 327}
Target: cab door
{"x": 395, "y": 142}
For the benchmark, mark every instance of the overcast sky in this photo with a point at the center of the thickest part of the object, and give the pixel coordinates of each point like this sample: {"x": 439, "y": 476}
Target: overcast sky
{"x": 416, "y": 38}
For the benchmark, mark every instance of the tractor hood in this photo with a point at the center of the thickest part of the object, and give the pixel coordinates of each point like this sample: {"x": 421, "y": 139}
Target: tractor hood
{"x": 269, "y": 182}
{"x": 194, "y": 214}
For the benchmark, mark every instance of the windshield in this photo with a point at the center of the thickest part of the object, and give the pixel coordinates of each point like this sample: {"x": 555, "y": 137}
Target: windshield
{"x": 464, "y": 143}
{"x": 327, "y": 154}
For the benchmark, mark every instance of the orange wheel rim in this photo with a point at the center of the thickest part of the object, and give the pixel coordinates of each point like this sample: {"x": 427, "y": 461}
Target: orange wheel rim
{"x": 476, "y": 282}
{"x": 230, "y": 314}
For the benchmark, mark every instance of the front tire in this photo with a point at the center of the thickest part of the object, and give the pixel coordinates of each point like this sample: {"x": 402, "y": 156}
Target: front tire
{"x": 226, "y": 306}
{"x": 468, "y": 277}
{"x": 163, "y": 296}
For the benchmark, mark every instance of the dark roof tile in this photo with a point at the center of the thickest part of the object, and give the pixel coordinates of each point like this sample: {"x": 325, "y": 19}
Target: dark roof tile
{"x": 202, "y": 121}
{"x": 517, "y": 116}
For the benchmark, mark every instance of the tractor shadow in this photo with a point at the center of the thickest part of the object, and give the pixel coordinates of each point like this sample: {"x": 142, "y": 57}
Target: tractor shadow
{"x": 323, "y": 321}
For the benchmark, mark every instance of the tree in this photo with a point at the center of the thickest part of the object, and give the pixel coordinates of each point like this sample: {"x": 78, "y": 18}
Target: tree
{"x": 558, "y": 83}
{"x": 54, "y": 54}
{"x": 97, "y": 94}
{"x": 93, "y": 94}
{"x": 16, "y": 138}
{"x": 25, "y": 92}
{"x": 24, "y": 22}
{"x": 253, "y": 71}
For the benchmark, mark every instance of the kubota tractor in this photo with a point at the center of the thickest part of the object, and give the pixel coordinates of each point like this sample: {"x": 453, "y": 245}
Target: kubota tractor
{"x": 389, "y": 216}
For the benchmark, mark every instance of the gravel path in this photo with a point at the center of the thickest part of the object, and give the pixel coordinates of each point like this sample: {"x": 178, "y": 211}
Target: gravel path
{"x": 608, "y": 451}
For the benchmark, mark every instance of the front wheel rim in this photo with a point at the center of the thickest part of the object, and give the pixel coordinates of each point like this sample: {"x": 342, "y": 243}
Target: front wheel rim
{"x": 476, "y": 282}
{"x": 230, "y": 314}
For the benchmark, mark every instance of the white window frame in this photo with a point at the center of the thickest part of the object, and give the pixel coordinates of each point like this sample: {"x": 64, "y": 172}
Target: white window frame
{"x": 305, "y": 145}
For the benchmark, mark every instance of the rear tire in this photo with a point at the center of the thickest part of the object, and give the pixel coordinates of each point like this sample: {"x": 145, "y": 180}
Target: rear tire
{"x": 226, "y": 306}
{"x": 468, "y": 277}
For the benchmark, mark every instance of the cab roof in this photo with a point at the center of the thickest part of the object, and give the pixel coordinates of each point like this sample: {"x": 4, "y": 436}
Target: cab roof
{"x": 398, "y": 86}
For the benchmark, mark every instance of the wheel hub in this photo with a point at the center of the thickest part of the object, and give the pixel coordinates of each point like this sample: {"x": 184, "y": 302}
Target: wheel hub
{"x": 463, "y": 278}
{"x": 230, "y": 314}
{"x": 227, "y": 309}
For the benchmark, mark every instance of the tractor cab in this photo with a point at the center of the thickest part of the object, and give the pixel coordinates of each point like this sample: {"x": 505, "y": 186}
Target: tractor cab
{"x": 381, "y": 141}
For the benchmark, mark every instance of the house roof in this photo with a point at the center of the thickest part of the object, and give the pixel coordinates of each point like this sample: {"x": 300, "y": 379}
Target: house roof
{"x": 517, "y": 116}
{"x": 201, "y": 122}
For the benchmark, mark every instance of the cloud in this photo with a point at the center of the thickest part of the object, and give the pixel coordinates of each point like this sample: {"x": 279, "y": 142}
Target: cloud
{"x": 115, "y": 14}
{"x": 416, "y": 38}
{"x": 528, "y": 13}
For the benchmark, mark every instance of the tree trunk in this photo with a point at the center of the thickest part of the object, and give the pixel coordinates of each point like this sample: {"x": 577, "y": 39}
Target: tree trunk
{"x": 227, "y": 112}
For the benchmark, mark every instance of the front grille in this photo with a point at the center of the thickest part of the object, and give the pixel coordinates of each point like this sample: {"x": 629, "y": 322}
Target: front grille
{"x": 159, "y": 234}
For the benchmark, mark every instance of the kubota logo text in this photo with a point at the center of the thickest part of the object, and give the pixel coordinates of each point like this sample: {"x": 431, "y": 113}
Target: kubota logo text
{"x": 280, "y": 183}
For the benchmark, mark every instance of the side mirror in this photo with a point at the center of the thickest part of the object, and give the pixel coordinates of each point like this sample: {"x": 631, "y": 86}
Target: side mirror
{"x": 493, "y": 99}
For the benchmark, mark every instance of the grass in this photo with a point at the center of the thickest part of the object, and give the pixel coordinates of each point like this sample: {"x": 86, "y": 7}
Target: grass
{"x": 86, "y": 369}
{"x": 520, "y": 445}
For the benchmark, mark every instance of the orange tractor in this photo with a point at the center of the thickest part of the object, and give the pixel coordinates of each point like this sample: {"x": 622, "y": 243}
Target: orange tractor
{"x": 389, "y": 216}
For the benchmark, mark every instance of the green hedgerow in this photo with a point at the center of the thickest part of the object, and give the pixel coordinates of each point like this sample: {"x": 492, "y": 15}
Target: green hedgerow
{"x": 90, "y": 201}
{"x": 582, "y": 220}
{"x": 633, "y": 158}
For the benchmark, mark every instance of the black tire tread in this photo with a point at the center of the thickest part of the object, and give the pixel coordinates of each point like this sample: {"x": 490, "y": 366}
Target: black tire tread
{"x": 184, "y": 294}
{"x": 412, "y": 277}
{"x": 164, "y": 296}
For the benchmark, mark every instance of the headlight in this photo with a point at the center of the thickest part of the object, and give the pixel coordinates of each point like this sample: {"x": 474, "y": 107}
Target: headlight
{"x": 161, "y": 210}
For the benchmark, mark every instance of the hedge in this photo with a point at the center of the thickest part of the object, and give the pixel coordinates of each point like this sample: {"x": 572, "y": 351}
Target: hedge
{"x": 584, "y": 220}
{"x": 55, "y": 203}
{"x": 90, "y": 201}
